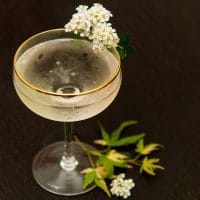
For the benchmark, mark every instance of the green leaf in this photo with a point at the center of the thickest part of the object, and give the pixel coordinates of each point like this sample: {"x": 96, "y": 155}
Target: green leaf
{"x": 124, "y": 39}
{"x": 114, "y": 140}
{"x": 102, "y": 184}
{"x": 147, "y": 149}
{"x": 116, "y": 156}
{"x": 149, "y": 165}
{"x": 101, "y": 171}
{"x": 103, "y": 160}
{"x": 104, "y": 134}
{"x": 88, "y": 179}
{"x": 122, "y": 52}
{"x": 117, "y": 132}
{"x": 118, "y": 159}
{"x": 128, "y": 140}
{"x": 87, "y": 170}
{"x": 140, "y": 146}
{"x": 124, "y": 47}
{"x": 101, "y": 142}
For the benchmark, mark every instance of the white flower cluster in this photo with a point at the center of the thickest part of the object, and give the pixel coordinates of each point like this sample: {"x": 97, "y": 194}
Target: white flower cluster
{"x": 93, "y": 24}
{"x": 121, "y": 187}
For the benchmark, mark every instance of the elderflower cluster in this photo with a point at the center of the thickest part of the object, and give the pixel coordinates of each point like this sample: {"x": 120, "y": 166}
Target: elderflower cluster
{"x": 121, "y": 187}
{"x": 93, "y": 24}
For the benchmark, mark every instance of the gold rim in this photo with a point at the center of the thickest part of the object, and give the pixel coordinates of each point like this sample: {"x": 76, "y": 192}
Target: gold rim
{"x": 54, "y": 93}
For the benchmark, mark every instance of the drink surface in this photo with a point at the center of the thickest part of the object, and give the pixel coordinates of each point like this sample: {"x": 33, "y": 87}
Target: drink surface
{"x": 58, "y": 64}
{"x": 66, "y": 66}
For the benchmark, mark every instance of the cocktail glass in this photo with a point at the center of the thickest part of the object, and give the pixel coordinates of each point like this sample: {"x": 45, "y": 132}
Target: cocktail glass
{"x": 62, "y": 79}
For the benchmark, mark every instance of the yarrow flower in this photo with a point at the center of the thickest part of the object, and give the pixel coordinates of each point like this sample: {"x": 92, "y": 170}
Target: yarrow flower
{"x": 98, "y": 14}
{"x": 121, "y": 187}
{"x": 103, "y": 35}
{"x": 79, "y": 23}
{"x": 82, "y": 8}
{"x": 93, "y": 24}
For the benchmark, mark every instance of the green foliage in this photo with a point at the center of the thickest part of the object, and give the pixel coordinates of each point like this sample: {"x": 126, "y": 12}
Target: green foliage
{"x": 100, "y": 182}
{"x": 114, "y": 139}
{"x": 149, "y": 166}
{"x": 124, "y": 47}
{"x": 97, "y": 176}
{"x": 128, "y": 140}
{"x": 88, "y": 179}
{"x": 104, "y": 134}
{"x": 117, "y": 132}
{"x": 109, "y": 159}
{"x": 113, "y": 159}
{"x": 147, "y": 149}
{"x": 109, "y": 165}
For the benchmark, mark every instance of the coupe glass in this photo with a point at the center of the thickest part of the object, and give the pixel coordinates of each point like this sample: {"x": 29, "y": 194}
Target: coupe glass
{"x": 61, "y": 78}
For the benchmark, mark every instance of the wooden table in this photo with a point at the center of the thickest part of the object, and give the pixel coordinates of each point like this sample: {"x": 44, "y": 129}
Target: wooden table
{"x": 160, "y": 89}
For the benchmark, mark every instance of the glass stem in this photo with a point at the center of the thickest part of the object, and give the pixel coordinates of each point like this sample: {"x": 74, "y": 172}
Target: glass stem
{"x": 68, "y": 135}
{"x": 68, "y": 161}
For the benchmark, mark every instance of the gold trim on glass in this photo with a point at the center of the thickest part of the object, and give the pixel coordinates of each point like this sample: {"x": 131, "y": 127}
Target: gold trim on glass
{"x": 54, "y": 93}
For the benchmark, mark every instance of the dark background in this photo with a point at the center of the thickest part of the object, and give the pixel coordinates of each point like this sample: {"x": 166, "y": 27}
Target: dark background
{"x": 160, "y": 89}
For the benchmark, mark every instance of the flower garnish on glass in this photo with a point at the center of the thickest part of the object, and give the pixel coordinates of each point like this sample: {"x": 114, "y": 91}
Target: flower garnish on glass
{"x": 65, "y": 79}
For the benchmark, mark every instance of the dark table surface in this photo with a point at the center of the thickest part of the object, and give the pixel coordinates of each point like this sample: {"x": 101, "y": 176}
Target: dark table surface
{"x": 161, "y": 89}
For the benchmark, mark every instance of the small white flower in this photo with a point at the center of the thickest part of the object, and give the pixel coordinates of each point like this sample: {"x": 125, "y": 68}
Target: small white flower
{"x": 93, "y": 24}
{"x": 78, "y": 24}
{"x": 97, "y": 13}
{"x": 82, "y": 8}
{"x": 121, "y": 187}
{"x": 105, "y": 35}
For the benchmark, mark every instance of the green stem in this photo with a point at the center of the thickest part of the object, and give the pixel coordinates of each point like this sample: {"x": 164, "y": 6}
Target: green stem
{"x": 86, "y": 150}
{"x": 137, "y": 157}
{"x": 104, "y": 150}
{"x": 134, "y": 162}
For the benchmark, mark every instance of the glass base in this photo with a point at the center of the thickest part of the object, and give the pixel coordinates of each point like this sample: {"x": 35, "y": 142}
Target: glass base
{"x": 50, "y": 174}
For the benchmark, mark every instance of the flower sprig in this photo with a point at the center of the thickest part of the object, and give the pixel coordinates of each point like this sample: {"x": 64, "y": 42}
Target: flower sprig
{"x": 93, "y": 24}
{"x": 110, "y": 158}
{"x": 121, "y": 187}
